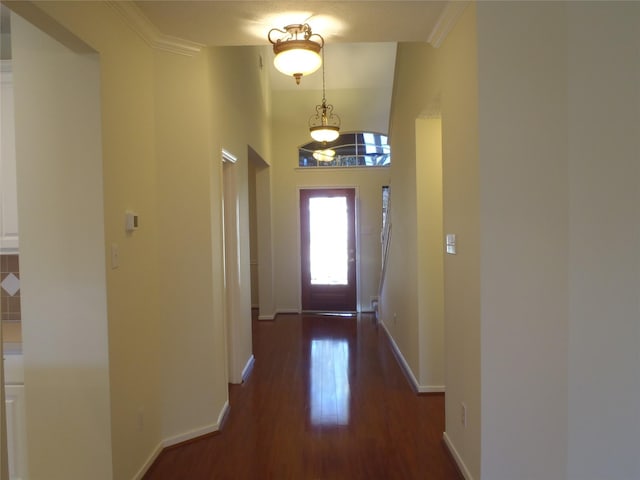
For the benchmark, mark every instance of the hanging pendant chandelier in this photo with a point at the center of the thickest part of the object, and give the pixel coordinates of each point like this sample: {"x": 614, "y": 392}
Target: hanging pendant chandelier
{"x": 324, "y": 125}
{"x": 297, "y": 50}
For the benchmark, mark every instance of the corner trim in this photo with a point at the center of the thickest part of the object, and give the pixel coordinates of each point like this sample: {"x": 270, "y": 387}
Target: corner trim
{"x": 147, "y": 465}
{"x": 139, "y": 23}
{"x": 448, "y": 18}
{"x": 190, "y": 435}
{"x": 456, "y": 456}
{"x": 407, "y": 369}
{"x": 198, "y": 432}
{"x": 246, "y": 371}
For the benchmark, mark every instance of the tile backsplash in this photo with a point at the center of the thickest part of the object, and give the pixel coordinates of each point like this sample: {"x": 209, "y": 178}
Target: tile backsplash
{"x": 10, "y": 287}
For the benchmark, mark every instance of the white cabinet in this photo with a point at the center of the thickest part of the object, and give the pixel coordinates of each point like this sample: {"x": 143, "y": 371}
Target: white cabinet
{"x": 8, "y": 188}
{"x": 16, "y": 429}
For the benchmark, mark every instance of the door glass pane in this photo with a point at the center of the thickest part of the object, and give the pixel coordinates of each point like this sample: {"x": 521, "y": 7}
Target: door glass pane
{"x": 328, "y": 247}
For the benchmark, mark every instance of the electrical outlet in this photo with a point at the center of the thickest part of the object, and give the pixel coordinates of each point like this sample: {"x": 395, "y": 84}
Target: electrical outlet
{"x": 463, "y": 414}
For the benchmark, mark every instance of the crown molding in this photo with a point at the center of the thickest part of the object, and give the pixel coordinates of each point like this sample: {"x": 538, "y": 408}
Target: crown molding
{"x": 448, "y": 18}
{"x": 140, "y": 24}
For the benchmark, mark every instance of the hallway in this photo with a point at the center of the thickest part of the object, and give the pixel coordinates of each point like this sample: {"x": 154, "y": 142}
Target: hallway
{"x": 326, "y": 400}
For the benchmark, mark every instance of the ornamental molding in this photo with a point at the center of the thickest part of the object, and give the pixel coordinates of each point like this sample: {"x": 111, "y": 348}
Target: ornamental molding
{"x": 139, "y": 23}
{"x": 448, "y": 18}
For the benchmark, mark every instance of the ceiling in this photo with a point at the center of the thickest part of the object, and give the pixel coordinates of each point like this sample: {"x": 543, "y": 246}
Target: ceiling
{"x": 359, "y": 36}
{"x": 248, "y": 22}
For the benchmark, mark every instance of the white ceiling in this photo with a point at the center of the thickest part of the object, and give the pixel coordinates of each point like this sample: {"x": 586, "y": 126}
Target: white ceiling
{"x": 240, "y": 22}
{"x": 359, "y": 36}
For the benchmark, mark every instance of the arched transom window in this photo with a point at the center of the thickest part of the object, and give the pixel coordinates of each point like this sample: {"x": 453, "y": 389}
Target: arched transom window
{"x": 359, "y": 149}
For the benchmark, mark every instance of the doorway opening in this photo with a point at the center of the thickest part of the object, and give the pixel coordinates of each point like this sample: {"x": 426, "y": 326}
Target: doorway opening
{"x": 328, "y": 250}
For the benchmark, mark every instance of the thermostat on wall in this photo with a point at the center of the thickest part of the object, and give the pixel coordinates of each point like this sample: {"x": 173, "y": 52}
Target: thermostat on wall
{"x": 131, "y": 221}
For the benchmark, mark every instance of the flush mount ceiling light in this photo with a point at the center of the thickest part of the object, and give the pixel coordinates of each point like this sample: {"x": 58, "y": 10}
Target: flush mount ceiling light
{"x": 324, "y": 125}
{"x": 297, "y": 50}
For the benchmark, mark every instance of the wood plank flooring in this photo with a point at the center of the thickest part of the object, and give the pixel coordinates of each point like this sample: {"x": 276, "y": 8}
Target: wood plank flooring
{"x": 326, "y": 400}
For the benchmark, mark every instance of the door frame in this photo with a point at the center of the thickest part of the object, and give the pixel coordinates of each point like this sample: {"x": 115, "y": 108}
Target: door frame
{"x": 231, "y": 262}
{"x": 356, "y": 232}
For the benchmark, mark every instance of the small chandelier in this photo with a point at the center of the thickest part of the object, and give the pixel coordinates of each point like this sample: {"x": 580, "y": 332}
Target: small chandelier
{"x": 324, "y": 125}
{"x": 297, "y": 50}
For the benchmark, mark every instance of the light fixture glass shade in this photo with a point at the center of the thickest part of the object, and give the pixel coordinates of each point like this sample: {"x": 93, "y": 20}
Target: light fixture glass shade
{"x": 294, "y": 61}
{"x": 297, "y": 51}
{"x": 324, "y": 134}
{"x": 327, "y": 155}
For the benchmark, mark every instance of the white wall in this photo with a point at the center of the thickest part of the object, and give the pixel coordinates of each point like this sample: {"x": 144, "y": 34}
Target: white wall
{"x": 559, "y": 116}
{"x": 524, "y": 191}
{"x": 63, "y": 284}
{"x": 604, "y": 234}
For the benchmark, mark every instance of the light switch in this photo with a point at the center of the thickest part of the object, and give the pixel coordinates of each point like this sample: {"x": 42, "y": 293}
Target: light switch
{"x": 451, "y": 243}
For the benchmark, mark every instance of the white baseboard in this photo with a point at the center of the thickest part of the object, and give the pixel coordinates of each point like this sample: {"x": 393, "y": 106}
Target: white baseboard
{"x": 431, "y": 388}
{"x": 407, "y": 369}
{"x": 198, "y": 432}
{"x": 456, "y": 456}
{"x": 222, "y": 414}
{"x": 147, "y": 465}
{"x": 190, "y": 435}
{"x": 183, "y": 437}
{"x": 247, "y": 368}
{"x": 283, "y": 311}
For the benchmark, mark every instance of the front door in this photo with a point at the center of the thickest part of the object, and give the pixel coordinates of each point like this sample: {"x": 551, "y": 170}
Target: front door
{"x": 328, "y": 249}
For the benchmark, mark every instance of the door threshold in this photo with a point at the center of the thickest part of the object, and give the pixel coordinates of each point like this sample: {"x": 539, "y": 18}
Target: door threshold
{"x": 330, "y": 314}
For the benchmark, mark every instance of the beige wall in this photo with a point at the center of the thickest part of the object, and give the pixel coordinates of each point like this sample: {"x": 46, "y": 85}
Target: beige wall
{"x": 430, "y": 265}
{"x": 253, "y": 233}
{"x": 4, "y": 461}
{"x": 241, "y": 116}
{"x": 189, "y": 246}
{"x": 289, "y": 132}
{"x": 443, "y": 82}
{"x": 398, "y": 298}
{"x": 164, "y": 120}
{"x": 64, "y": 328}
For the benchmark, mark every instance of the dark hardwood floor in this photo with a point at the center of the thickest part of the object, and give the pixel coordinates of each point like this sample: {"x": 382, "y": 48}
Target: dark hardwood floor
{"x": 326, "y": 400}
